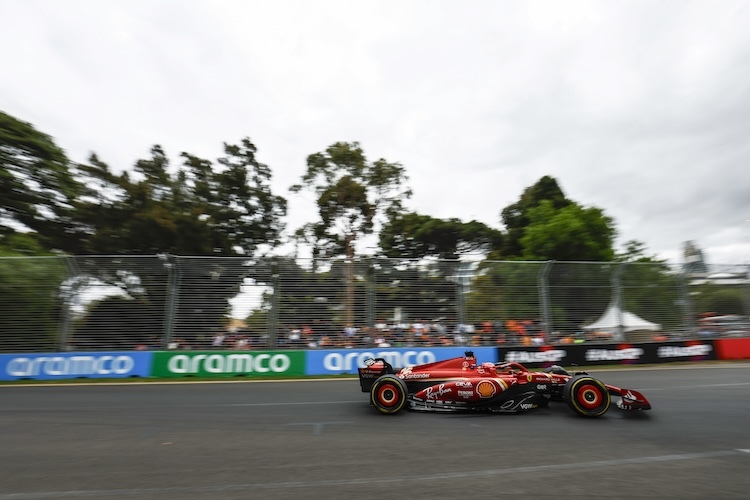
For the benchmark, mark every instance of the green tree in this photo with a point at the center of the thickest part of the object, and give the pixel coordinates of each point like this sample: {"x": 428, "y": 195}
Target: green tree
{"x": 420, "y": 290}
{"x": 635, "y": 251}
{"x": 651, "y": 288}
{"x": 243, "y": 205}
{"x": 411, "y": 235}
{"x": 18, "y": 244}
{"x": 570, "y": 233}
{"x": 544, "y": 225}
{"x": 352, "y": 193}
{"x": 198, "y": 209}
{"x": 37, "y": 188}
{"x": 718, "y": 299}
{"x": 503, "y": 290}
{"x": 516, "y": 217}
{"x": 30, "y": 294}
{"x": 100, "y": 208}
{"x": 36, "y": 216}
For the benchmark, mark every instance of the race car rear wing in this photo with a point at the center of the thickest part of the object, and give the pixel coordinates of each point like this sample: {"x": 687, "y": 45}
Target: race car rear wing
{"x": 374, "y": 368}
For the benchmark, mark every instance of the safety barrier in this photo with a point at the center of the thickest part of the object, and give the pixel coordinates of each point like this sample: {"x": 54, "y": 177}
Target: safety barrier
{"x": 298, "y": 363}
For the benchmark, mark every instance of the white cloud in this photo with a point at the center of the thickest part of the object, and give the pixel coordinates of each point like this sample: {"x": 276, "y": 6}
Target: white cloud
{"x": 639, "y": 108}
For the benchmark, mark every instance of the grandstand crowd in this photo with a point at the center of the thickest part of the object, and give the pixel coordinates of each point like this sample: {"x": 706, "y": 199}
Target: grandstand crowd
{"x": 384, "y": 335}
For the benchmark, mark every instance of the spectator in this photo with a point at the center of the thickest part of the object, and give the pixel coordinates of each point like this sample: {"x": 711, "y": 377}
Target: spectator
{"x": 380, "y": 341}
{"x": 501, "y": 338}
{"x": 459, "y": 334}
{"x": 294, "y": 336}
{"x": 218, "y": 340}
{"x": 488, "y": 331}
{"x": 350, "y": 332}
{"x": 366, "y": 336}
{"x": 241, "y": 342}
{"x": 308, "y": 337}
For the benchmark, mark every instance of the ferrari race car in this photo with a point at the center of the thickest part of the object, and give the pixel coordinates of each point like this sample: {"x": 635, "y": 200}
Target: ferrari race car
{"x": 460, "y": 384}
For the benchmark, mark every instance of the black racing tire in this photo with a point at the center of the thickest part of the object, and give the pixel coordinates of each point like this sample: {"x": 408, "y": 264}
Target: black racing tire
{"x": 586, "y": 396}
{"x": 388, "y": 394}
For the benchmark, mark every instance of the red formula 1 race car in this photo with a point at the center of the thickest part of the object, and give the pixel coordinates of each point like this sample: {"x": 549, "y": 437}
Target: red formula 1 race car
{"x": 460, "y": 384}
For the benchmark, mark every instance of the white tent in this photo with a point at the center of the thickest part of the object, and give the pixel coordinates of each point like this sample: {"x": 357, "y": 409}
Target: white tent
{"x": 614, "y": 318}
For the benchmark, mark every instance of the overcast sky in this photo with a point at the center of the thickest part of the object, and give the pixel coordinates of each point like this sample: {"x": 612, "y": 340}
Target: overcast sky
{"x": 640, "y": 108}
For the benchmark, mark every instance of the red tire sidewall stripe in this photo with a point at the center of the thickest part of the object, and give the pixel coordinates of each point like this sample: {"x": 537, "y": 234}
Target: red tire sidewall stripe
{"x": 385, "y": 402}
{"x": 589, "y": 388}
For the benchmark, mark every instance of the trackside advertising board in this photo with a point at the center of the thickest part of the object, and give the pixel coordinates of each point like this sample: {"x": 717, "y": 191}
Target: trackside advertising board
{"x": 346, "y": 361}
{"x": 732, "y": 348}
{"x": 609, "y": 354}
{"x": 228, "y": 364}
{"x": 56, "y": 366}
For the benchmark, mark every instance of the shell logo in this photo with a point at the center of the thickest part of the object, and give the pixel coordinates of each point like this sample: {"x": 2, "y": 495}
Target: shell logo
{"x": 486, "y": 389}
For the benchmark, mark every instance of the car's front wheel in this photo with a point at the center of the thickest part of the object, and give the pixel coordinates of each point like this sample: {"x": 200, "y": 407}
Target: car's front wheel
{"x": 388, "y": 394}
{"x": 586, "y": 396}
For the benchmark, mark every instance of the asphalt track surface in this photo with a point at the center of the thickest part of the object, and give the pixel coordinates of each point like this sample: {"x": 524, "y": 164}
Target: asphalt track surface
{"x": 321, "y": 439}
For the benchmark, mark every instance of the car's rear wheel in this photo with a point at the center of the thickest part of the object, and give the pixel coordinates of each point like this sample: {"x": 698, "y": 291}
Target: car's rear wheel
{"x": 388, "y": 394}
{"x": 586, "y": 396}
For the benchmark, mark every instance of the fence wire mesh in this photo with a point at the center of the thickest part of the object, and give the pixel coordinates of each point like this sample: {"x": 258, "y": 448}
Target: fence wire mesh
{"x": 87, "y": 303}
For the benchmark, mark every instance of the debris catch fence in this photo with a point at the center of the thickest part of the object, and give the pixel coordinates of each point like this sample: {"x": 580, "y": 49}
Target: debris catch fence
{"x": 87, "y": 303}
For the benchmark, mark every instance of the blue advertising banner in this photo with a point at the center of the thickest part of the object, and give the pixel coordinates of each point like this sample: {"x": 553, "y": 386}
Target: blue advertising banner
{"x": 346, "y": 361}
{"x": 55, "y": 366}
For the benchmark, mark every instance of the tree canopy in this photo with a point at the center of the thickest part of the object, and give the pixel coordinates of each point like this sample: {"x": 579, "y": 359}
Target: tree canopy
{"x": 192, "y": 206}
{"x": 227, "y": 207}
{"x": 545, "y": 225}
{"x": 516, "y": 216}
{"x": 570, "y": 233}
{"x": 411, "y": 235}
{"x": 200, "y": 208}
{"x": 37, "y": 188}
{"x": 352, "y": 193}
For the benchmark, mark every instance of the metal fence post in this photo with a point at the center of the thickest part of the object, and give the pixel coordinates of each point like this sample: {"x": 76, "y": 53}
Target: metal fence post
{"x": 544, "y": 296}
{"x": 617, "y": 295}
{"x": 171, "y": 264}
{"x": 67, "y": 303}
{"x": 370, "y": 294}
{"x": 746, "y": 291}
{"x": 460, "y": 293}
{"x": 273, "y": 314}
{"x": 687, "y": 304}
